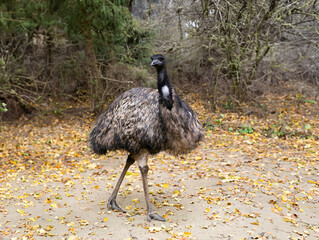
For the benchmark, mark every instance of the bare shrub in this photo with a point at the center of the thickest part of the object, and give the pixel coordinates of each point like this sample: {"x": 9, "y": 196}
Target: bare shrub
{"x": 227, "y": 45}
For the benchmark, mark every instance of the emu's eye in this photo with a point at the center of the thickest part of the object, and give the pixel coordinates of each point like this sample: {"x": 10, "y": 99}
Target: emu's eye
{"x": 161, "y": 59}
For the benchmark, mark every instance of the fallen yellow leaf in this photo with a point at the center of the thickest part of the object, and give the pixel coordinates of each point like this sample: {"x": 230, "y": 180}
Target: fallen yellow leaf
{"x": 21, "y": 212}
{"x": 165, "y": 185}
{"x": 54, "y": 205}
{"x": 278, "y": 208}
{"x": 84, "y": 222}
{"x": 284, "y": 198}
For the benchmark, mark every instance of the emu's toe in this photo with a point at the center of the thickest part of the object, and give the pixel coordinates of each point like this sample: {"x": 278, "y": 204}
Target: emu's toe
{"x": 112, "y": 204}
{"x": 154, "y": 216}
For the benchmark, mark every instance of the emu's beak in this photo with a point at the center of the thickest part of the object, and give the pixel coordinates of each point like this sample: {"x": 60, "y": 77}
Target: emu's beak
{"x": 155, "y": 62}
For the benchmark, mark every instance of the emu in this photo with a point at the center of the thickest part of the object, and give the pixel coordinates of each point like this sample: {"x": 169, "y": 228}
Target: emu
{"x": 145, "y": 121}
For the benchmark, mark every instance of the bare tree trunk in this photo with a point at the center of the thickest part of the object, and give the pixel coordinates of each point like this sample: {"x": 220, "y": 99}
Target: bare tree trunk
{"x": 129, "y": 5}
{"x": 179, "y": 10}
{"x": 93, "y": 71}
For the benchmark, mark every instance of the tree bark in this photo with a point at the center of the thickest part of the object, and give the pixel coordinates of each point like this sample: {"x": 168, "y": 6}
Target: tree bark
{"x": 93, "y": 71}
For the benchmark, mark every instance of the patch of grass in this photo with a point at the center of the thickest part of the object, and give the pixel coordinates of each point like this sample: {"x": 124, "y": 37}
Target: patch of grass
{"x": 209, "y": 125}
{"x": 3, "y": 107}
{"x": 245, "y": 129}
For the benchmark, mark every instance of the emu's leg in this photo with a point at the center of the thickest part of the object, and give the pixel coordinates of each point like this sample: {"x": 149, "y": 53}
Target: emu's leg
{"x": 142, "y": 163}
{"x": 112, "y": 200}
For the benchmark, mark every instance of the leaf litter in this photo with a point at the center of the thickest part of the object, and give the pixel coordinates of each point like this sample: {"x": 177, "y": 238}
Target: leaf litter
{"x": 251, "y": 178}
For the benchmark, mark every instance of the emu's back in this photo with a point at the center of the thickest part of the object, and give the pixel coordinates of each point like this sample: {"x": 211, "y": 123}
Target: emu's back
{"x": 131, "y": 123}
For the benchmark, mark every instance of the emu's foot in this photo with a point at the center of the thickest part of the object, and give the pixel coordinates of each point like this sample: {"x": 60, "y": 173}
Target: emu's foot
{"x": 112, "y": 204}
{"x": 154, "y": 216}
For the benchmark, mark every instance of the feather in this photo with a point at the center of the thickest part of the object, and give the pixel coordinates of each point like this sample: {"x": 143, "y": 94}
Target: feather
{"x": 136, "y": 121}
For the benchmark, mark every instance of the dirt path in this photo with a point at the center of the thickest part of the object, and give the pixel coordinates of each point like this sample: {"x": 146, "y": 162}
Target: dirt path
{"x": 234, "y": 186}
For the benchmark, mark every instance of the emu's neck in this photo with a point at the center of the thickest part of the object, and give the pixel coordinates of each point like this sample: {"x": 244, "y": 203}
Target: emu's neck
{"x": 162, "y": 78}
{"x": 164, "y": 88}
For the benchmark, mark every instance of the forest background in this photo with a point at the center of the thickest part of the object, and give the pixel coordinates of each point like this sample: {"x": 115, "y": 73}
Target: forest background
{"x": 53, "y": 52}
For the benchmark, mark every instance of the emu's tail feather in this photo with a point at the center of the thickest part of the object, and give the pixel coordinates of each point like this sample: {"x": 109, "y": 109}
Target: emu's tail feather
{"x": 94, "y": 143}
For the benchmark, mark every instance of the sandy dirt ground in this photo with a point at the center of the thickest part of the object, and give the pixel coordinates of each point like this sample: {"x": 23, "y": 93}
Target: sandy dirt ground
{"x": 233, "y": 186}
{"x": 197, "y": 203}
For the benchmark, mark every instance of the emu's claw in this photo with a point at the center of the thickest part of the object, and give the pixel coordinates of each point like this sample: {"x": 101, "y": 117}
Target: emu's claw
{"x": 154, "y": 216}
{"x": 112, "y": 204}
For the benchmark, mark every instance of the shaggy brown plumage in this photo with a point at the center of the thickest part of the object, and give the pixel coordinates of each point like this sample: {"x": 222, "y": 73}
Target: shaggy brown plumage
{"x": 136, "y": 121}
{"x": 144, "y": 120}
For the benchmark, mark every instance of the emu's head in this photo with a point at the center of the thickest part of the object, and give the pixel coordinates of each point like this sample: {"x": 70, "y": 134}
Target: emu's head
{"x": 158, "y": 61}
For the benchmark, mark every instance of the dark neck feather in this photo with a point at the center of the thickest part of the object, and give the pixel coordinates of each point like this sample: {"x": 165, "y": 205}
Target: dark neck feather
{"x": 164, "y": 88}
{"x": 162, "y": 78}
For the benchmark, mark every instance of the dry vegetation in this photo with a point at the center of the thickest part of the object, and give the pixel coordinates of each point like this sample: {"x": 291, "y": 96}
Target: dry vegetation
{"x": 230, "y": 51}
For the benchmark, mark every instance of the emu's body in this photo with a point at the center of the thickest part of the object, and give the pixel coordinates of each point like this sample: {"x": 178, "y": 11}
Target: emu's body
{"x": 136, "y": 121}
{"x": 146, "y": 121}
